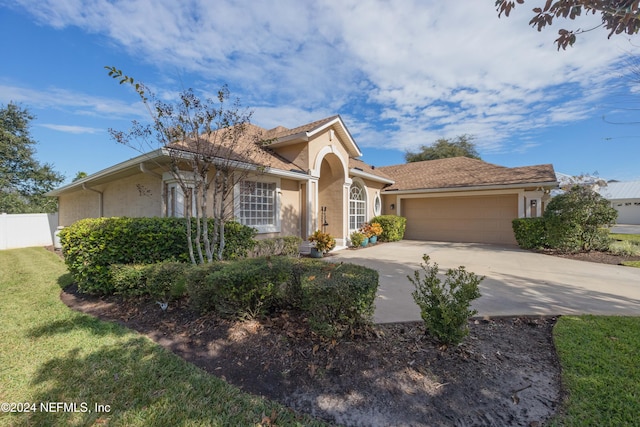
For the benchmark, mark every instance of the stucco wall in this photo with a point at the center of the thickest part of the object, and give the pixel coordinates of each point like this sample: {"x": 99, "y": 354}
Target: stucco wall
{"x": 137, "y": 196}
{"x": 289, "y": 208}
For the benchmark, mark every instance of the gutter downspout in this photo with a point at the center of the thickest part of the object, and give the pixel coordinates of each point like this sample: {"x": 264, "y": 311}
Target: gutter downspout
{"x": 144, "y": 169}
{"x": 100, "y": 200}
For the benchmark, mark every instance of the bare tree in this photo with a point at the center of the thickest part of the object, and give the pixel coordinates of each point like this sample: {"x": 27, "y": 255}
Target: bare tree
{"x": 213, "y": 148}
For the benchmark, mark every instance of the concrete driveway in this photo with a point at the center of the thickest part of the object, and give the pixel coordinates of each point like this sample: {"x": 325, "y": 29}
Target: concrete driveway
{"x": 517, "y": 282}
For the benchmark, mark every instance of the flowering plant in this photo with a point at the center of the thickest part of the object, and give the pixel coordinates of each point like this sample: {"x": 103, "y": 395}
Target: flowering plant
{"x": 322, "y": 241}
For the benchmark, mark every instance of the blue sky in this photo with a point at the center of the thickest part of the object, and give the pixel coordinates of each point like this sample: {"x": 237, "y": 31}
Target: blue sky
{"x": 401, "y": 74}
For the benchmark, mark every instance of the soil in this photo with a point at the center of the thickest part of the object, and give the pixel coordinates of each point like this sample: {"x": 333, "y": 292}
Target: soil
{"x": 505, "y": 372}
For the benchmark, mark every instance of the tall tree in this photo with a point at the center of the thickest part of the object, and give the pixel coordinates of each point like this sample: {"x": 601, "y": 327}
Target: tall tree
{"x": 23, "y": 180}
{"x": 618, "y": 16}
{"x": 460, "y": 146}
{"x": 213, "y": 148}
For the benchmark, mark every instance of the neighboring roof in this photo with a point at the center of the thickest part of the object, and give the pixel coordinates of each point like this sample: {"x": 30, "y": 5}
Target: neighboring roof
{"x": 621, "y": 190}
{"x": 458, "y": 172}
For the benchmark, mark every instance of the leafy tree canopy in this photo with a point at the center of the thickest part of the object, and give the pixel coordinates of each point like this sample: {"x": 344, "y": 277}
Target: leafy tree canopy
{"x": 23, "y": 180}
{"x": 575, "y": 220}
{"x": 460, "y": 146}
{"x": 618, "y": 16}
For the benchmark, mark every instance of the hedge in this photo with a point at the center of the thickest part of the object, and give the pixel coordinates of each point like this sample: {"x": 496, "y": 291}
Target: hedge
{"x": 90, "y": 246}
{"x": 393, "y": 227}
{"x": 338, "y": 298}
{"x": 530, "y": 233}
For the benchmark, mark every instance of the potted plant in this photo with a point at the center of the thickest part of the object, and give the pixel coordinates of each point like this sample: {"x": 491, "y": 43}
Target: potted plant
{"x": 357, "y": 238}
{"x": 368, "y": 233}
{"x": 322, "y": 243}
{"x": 376, "y": 229}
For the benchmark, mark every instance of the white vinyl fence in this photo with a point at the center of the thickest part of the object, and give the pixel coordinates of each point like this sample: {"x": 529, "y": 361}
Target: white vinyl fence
{"x": 24, "y": 230}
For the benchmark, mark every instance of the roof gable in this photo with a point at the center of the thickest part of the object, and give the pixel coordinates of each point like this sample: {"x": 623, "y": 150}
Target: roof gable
{"x": 463, "y": 172}
{"x": 282, "y": 136}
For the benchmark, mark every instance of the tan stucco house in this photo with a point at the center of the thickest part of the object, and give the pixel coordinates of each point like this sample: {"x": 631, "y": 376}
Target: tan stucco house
{"x": 314, "y": 178}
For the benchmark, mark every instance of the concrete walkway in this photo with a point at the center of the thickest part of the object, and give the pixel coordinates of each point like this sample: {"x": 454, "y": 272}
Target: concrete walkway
{"x": 517, "y": 282}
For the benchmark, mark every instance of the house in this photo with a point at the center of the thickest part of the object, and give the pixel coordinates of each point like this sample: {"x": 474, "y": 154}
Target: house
{"x": 313, "y": 179}
{"x": 625, "y": 198}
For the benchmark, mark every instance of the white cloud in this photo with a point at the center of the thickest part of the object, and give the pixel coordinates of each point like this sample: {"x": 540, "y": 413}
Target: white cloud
{"x": 425, "y": 69}
{"x": 71, "y": 128}
{"x": 70, "y": 101}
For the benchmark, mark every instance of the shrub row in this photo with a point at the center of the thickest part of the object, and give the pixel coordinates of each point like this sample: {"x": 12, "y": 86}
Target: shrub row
{"x": 393, "y": 227}
{"x": 276, "y": 246}
{"x": 336, "y": 298}
{"x": 90, "y": 246}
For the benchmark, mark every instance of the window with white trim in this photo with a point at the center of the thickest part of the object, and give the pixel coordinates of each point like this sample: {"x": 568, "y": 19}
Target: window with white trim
{"x": 257, "y": 205}
{"x": 177, "y": 201}
{"x": 377, "y": 205}
{"x": 357, "y": 206}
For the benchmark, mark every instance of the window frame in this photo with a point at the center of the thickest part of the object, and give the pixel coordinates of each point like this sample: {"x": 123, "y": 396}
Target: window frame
{"x": 357, "y": 207}
{"x": 173, "y": 191}
{"x": 274, "y": 226}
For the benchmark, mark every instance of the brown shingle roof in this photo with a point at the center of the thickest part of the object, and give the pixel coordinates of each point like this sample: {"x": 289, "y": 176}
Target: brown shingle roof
{"x": 359, "y": 164}
{"x": 281, "y": 131}
{"x": 463, "y": 172}
{"x": 248, "y": 149}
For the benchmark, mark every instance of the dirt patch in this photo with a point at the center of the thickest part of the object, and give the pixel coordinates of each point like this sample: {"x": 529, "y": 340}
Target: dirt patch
{"x": 505, "y": 373}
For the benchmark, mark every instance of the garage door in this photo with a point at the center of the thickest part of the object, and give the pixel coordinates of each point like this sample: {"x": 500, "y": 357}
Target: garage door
{"x": 481, "y": 219}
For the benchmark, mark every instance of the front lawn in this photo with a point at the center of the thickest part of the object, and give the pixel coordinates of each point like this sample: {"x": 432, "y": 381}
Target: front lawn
{"x": 634, "y": 238}
{"x": 62, "y": 361}
{"x": 71, "y": 362}
{"x": 599, "y": 358}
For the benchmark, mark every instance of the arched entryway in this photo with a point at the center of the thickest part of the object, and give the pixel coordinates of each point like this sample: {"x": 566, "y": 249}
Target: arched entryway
{"x": 331, "y": 196}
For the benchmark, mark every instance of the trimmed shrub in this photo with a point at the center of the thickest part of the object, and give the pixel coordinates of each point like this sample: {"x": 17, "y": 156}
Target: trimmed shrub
{"x": 530, "y": 233}
{"x": 393, "y": 227}
{"x": 277, "y": 246}
{"x": 444, "y": 307}
{"x": 91, "y": 245}
{"x": 129, "y": 279}
{"x": 242, "y": 288}
{"x": 338, "y": 298}
{"x": 238, "y": 239}
{"x": 166, "y": 280}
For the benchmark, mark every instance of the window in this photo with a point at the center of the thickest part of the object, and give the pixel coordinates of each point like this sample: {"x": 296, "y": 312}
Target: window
{"x": 258, "y": 205}
{"x": 177, "y": 201}
{"x": 377, "y": 205}
{"x": 357, "y": 206}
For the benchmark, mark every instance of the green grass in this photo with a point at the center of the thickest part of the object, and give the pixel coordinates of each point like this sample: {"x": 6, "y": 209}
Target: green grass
{"x": 635, "y": 238}
{"x": 599, "y": 356}
{"x": 49, "y": 353}
{"x": 631, "y": 263}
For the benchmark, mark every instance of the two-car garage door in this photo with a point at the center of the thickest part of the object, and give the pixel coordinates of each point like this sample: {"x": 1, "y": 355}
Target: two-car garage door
{"x": 482, "y": 219}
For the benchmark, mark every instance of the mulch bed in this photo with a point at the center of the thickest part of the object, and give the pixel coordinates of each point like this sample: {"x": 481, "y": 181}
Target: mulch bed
{"x": 506, "y": 372}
